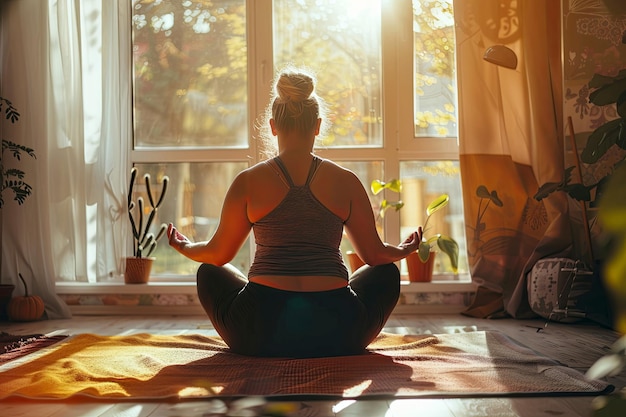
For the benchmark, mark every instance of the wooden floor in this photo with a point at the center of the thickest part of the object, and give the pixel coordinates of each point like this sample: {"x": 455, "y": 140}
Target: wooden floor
{"x": 576, "y": 345}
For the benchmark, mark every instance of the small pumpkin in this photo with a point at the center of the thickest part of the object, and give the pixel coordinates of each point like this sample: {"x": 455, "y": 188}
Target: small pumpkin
{"x": 26, "y": 308}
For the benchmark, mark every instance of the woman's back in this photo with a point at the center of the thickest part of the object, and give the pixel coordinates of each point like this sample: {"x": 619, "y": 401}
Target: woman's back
{"x": 300, "y": 236}
{"x": 266, "y": 187}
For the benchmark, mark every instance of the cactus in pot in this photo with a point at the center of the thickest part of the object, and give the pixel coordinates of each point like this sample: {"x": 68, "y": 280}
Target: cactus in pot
{"x": 144, "y": 241}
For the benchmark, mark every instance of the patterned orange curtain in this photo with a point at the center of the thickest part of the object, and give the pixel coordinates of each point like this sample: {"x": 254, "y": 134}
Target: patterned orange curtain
{"x": 511, "y": 140}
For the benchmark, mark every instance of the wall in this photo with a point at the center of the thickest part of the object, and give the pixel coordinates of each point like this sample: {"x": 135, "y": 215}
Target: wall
{"x": 178, "y": 299}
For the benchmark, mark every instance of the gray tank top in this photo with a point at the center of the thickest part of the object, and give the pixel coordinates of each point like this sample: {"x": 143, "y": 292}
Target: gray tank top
{"x": 300, "y": 236}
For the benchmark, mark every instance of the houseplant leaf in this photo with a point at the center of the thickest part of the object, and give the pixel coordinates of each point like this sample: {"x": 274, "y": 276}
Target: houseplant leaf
{"x": 377, "y": 186}
{"x": 394, "y": 185}
{"x": 450, "y": 248}
{"x": 608, "y": 89}
{"x": 437, "y": 204}
{"x": 600, "y": 141}
{"x": 445, "y": 243}
{"x": 621, "y": 137}
{"x": 383, "y": 207}
{"x": 609, "y": 365}
{"x": 620, "y": 104}
{"x": 424, "y": 251}
{"x": 547, "y": 189}
{"x": 613, "y": 203}
{"x": 578, "y": 192}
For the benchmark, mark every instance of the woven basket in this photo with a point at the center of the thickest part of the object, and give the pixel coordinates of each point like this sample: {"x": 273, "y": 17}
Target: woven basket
{"x": 138, "y": 270}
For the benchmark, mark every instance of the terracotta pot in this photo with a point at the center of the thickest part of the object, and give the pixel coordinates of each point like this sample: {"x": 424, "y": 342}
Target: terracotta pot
{"x": 420, "y": 271}
{"x": 138, "y": 270}
{"x": 354, "y": 260}
{"x": 6, "y": 291}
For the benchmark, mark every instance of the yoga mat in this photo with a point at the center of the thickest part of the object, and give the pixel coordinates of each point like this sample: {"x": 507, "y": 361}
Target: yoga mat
{"x": 175, "y": 367}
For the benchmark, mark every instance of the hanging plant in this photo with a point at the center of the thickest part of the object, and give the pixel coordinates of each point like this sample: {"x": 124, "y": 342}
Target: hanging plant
{"x": 13, "y": 178}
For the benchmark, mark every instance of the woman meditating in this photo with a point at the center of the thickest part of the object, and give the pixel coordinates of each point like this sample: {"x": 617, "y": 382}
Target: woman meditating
{"x": 297, "y": 300}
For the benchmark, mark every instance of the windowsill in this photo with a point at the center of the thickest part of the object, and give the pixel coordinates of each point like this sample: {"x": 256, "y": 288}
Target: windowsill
{"x": 445, "y": 285}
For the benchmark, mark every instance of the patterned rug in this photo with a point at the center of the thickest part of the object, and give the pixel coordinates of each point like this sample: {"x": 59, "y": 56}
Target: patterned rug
{"x": 175, "y": 367}
{"x": 16, "y": 346}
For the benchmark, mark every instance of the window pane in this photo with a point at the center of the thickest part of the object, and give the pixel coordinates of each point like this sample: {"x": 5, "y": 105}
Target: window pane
{"x": 435, "y": 75}
{"x": 422, "y": 182}
{"x": 367, "y": 171}
{"x": 193, "y": 202}
{"x": 341, "y": 42}
{"x": 190, "y": 73}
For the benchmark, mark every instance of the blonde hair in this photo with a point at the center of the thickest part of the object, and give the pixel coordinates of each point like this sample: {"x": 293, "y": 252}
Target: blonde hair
{"x": 294, "y": 106}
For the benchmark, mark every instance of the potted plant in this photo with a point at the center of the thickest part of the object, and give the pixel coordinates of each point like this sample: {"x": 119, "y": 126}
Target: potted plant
{"x": 138, "y": 266}
{"x": 377, "y": 186}
{"x": 607, "y": 140}
{"x": 612, "y": 214}
{"x": 420, "y": 263}
{"x": 429, "y": 245}
{"x": 611, "y": 135}
{"x": 12, "y": 179}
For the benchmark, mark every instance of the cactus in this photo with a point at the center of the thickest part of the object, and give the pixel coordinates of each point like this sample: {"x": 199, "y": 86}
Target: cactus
{"x": 144, "y": 242}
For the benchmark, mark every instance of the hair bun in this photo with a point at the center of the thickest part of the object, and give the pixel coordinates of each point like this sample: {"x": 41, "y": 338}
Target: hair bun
{"x": 294, "y": 87}
{"x": 295, "y": 106}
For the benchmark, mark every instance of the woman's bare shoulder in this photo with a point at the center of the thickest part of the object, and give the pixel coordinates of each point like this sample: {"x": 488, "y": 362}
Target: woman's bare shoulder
{"x": 335, "y": 167}
{"x": 340, "y": 171}
{"x": 255, "y": 177}
{"x": 257, "y": 169}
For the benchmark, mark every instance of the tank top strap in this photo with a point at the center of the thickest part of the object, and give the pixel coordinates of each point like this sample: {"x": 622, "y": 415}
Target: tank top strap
{"x": 283, "y": 168}
{"x": 315, "y": 164}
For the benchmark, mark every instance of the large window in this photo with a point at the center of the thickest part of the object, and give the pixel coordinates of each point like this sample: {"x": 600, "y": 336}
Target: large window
{"x": 202, "y": 75}
{"x": 341, "y": 42}
{"x": 190, "y": 74}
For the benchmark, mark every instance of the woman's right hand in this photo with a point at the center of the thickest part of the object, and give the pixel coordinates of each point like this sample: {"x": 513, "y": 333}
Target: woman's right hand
{"x": 176, "y": 239}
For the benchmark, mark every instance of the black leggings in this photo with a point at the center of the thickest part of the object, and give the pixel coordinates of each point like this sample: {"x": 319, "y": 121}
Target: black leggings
{"x": 258, "y": 320}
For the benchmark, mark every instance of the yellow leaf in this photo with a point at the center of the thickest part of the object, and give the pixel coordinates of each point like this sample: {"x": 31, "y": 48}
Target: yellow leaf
{"x": 437, "y": 203}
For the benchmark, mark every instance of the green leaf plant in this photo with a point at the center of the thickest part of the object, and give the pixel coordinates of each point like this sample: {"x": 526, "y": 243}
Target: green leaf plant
{"x": 612, "y": 213}
{"x": 611, "y": 135}
{"x": 144, "y": 242}
{"x": 444, "y": 243}
{"x": 13, "y": 178}
{"x": 394, "y": 185}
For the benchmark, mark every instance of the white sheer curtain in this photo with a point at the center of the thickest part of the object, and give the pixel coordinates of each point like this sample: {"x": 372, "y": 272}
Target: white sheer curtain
{"x": 63, "y": 69}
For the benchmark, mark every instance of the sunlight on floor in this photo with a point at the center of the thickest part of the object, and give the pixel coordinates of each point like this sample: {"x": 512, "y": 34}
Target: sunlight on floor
{"x": 358, "y": 389}
{"x": 423, "y": 407}
{"x": 342, "y": 405}
{"x": 460, "y": 329}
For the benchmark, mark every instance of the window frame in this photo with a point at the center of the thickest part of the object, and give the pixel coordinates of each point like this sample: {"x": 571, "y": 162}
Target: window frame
{"x": 399, "y": 141}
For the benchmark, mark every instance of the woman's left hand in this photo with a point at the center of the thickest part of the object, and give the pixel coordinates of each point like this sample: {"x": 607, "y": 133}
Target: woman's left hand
{"x": 412, "y": 242}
